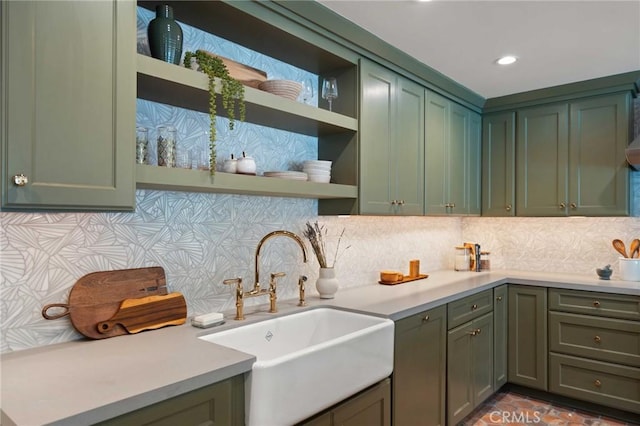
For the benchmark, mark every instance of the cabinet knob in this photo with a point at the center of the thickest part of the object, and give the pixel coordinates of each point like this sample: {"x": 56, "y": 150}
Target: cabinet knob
{"x": 499, "y": 298}
{"x": 401, "y": 202}
{"x": 474, "y": 307}
{"x": 597, "y": 339}
{"x": 472, "y": 332}
{"x": 562, "y": 205}
{"x": 426, "y": 318}
{"x": 597, "y": 383}
{"x": 596, "y": 304}
{"x": 508, "y": 207}
{"x": 20, "y": 180}
{"x": 573, "y": 206}
{"x": 478, "y": 331}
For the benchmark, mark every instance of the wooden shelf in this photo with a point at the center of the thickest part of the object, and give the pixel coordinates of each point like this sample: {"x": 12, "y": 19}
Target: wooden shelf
{"x": 175, "y": 85}
{"x": 175, "y": 179}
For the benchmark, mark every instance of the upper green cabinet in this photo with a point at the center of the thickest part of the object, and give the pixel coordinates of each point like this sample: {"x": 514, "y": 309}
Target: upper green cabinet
{"x": 570, "y": 158}
{"x": 498, "y": 164}
{"x": 391, "y": 143}
{"x": 452, "y": 158}
{"x": 68, "y": 110}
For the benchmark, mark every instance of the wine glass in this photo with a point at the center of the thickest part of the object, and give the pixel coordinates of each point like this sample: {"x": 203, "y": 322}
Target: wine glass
{"x": 330, "y": 90}
{"x": 307, "y": 91}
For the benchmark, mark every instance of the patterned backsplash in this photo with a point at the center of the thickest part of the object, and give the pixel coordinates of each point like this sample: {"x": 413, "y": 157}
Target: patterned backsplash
{"x": 202, "y": 239}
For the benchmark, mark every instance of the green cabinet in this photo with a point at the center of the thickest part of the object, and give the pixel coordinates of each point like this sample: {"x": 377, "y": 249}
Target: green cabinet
{"x": 391, "y": 143}
{"x": 68, "y": 110}
{"x": 371, "y": 407}
{"x": 419, "y": 370}
{"x": 469, "y": 367}
{"x": 500, "y": 335}
{"x": 527, "y": 364}
{"x": 452, "y": 158}
{"x": 570, "y": 158}
{"x": 498, "y": 164}
{"x": 220, "y": 404}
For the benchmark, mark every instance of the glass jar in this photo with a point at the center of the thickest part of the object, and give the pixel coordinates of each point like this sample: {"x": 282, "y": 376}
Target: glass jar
{"x": 167, "y": 146}
{"x": 485, "y": 261}
{"x": 142, "y": 145}
{"x": 462, "y": 259}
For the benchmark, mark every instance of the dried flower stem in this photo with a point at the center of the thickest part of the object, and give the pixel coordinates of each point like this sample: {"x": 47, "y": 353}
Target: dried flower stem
{"x": 316, "y": 235}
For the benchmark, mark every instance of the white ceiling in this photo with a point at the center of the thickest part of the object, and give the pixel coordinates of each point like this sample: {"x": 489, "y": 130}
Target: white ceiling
{"x": 557, "y": 42}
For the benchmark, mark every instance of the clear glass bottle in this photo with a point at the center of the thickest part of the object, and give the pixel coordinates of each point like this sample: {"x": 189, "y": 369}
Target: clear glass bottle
{"x": 485, "y": 261}
{"x": 142, "y": 145}
{"x": 462, "y": 259}
{"x": 167, "y": 146}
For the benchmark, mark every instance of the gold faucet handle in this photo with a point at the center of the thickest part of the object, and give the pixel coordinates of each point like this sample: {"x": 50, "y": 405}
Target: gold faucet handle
{"x": 272, "y": 282}
{"x": 301, "y": 281}
{"x": 237, "y": 281}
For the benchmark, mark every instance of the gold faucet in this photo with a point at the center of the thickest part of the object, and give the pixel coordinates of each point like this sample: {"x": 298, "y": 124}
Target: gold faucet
{"x": 256, "y": 290}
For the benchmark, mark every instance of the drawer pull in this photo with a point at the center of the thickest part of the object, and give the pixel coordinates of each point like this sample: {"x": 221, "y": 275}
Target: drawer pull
{"x": 474, "y": 307}
{"x": 597, "y": 383}
{"x": 426, "y": 318}
{"x": 473, "y": 332}
{"x": 596, "y": 304}
{"x": 597, "y": 339}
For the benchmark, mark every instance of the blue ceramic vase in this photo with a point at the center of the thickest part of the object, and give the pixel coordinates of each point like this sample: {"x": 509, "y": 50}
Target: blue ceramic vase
{"x": 165, "y": 36}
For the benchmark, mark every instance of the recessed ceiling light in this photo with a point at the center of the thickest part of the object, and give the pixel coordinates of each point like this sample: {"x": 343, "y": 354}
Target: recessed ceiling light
{"x": 506, "y": 60}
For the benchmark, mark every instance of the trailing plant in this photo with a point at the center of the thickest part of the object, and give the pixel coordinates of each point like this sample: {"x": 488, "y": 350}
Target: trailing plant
{"x": 232, "y": 92}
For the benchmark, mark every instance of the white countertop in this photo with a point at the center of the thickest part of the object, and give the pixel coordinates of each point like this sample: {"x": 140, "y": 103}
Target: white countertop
{"x": 88, "y": 381}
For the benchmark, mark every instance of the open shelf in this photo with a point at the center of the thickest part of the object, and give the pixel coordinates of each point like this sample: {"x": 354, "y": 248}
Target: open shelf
{"x": 175, "y": 85}
{"x": 175, "y": 179}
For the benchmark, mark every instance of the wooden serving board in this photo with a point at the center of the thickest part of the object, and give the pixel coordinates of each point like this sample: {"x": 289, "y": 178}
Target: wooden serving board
{"x": 148, "y": 313}
{"x": 245, "y": 74}
{"x": 406, "y": 279}
{"x": 97, "y": 297}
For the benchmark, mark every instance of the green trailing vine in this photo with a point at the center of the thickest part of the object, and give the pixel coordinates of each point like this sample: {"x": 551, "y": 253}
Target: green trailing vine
{"x": 232, "y": 92}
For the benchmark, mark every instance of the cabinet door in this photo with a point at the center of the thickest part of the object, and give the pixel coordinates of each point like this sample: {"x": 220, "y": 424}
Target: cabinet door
{"x": 458, "y": 155}
{"x": 498, "y": 164}
{"x": 436, "y": 154}
{"x": 377, "y": 127}
{"x": 371, "y": 408}
{"x": 483, "y": 360}
{"x": 541, "y": 161}
{"x": 528, "y": 336}
{"x": 599, "y": 175}
{"x": 419, "y": 370}
{"x": 460, "y": 373}
{"x": 474, "y": 165}
{"x": 408, "y": 146}
{"x": 68, "y": 72}
{"x": 500, "y": 333}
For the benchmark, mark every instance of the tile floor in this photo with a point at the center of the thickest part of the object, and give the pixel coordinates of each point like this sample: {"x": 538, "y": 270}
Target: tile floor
{"x": 509, "y": 408}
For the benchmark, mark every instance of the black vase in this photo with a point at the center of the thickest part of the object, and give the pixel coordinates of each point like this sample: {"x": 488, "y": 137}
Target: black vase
{"x": 165, "y": 35}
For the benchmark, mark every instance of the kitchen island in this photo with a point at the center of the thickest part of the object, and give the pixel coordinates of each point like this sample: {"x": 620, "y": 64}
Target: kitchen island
{"x": 85, "y": 382}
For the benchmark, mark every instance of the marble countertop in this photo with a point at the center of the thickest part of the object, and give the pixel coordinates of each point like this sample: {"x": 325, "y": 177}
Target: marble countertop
{"x": 88, "y": 381}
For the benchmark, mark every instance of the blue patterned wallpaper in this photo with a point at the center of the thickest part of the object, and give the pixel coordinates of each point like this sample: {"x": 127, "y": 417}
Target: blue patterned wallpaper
{"x": 202, "y": 239}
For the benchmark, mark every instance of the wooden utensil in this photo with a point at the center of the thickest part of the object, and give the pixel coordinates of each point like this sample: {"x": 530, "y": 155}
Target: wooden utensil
{"x": 148, "y": 313}
{"x": 96, "y": 297}
{"x": 619, "y": 246}
{"x": 634, "y": 248}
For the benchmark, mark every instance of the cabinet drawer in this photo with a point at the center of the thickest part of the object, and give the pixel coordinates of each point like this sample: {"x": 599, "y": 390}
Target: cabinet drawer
{"x": 605, "y": 339}
{"x": 595, "y": 303}
{"x": 470, "y": 307}
{"x": 595, "y": 381}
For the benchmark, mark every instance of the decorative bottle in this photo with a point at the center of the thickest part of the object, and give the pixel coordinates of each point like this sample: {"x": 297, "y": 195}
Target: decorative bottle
{"x": 165, "y": 35}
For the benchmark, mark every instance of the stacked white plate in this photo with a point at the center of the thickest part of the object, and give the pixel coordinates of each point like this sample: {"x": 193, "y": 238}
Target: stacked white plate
{"x": 318, "y": 170}
{"x": 287, "y": 175}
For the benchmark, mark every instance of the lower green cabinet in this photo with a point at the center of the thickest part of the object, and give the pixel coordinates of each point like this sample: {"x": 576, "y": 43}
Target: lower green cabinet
{"x": 419, "y": 371}
{"x": 220, "y": 404}
{"x": 371, "y": 407}
{"x": 527, "y": 364}
{"x": 469, "y": 367}
{"x": 500, "y": 335}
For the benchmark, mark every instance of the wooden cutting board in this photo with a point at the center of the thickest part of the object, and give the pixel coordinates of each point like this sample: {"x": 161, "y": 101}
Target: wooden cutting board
{"x": 97, "y": 297}
{"x": 148, "y": 313}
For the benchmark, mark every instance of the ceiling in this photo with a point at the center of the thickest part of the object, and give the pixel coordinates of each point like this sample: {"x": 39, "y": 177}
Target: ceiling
{"x": 556, "y": 42}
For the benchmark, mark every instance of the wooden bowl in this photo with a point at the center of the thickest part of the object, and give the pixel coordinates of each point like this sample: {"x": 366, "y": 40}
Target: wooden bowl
{"x": 285, "y": 88}
{"x": 390, "y": 276}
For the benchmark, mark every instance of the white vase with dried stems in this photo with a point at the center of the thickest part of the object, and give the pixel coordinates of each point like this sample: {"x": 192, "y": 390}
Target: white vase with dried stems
{"x": 327, "y": 284}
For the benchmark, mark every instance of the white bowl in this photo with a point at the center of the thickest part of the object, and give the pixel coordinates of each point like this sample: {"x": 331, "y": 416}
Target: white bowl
{"x": 318, "y": 163}
{"x": 629, "y": 269}
{"x": 316, "y": 169}
{"x": 317, "y": 172}
{"x": 319, "y": 178}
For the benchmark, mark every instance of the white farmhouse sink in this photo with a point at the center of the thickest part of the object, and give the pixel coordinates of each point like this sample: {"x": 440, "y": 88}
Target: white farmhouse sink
{"x": 308, "y": 361}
